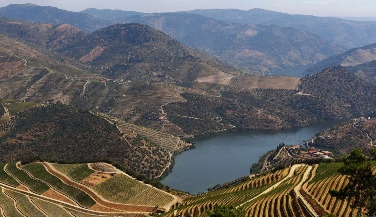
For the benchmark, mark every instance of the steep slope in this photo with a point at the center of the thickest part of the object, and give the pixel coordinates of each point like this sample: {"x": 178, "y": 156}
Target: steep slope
{"x": 357, "y": 133}
{"x": 345, "y": 94}
{"x": 333, "y": 94}
{"x": 258, "y": 48}
{"x": 46, "y": 14}
{"x": 46, "y": 36}
{"x": 138, "y": 52}
{"x": 346, "y": 33}
{"x": 299, "y": 190}
{"x": 64, "y": 133}
{"x": 357, "y": 60}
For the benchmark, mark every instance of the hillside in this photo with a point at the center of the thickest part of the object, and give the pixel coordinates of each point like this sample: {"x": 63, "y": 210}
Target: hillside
{"x": 138, "y": 52}
{"x": 191, "y": 108}
{"x": 333, "y": 94}
{"x": 300, "y": 190}
{"x": 346, "y": 33}
{"x": 50, "y": 189}
{"x": 345, "y": 94}
{"x": 357, "y": 60}
{"x": 257, "y": 48}
{"x": 265, "y": 49}
{"x": 46, "y": 36}
{"x": 357, "y": 133}
{"x": 63, "y": 133}
{"x": 45, "y": 14}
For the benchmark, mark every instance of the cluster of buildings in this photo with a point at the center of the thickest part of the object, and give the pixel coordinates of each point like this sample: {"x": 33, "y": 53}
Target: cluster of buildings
{"x": 298, "y": 151}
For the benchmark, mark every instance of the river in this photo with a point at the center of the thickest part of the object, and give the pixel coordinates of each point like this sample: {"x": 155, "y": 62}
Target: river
{"x": 226, "y": 157}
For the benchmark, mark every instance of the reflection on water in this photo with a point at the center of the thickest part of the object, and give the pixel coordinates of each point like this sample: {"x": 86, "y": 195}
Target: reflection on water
{"x": 226, "y": 157}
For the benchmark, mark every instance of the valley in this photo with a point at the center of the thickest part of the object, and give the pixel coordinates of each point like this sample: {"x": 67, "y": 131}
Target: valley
{"x": 97, "y": 109}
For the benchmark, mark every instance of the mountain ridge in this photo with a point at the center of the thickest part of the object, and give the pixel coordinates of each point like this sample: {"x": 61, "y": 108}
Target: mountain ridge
{"x": 346, "y": 33}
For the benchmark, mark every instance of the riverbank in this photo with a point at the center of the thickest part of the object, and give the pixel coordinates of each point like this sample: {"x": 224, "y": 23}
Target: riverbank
{"x": 223, "y": 158}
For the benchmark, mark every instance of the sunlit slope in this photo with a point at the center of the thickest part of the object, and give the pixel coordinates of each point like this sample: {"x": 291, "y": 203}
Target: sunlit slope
{"x": 301, "y": 190}
{"x": 37, "y": 189}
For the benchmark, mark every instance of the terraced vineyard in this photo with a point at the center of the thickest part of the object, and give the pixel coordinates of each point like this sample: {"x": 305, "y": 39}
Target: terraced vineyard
{"x": 301, "y": 190}
{"x": 76, "y": 172}
{"x": 327, "y": 178}
{"x": 141, "y": 194}
{"x": 166, "y": 141}
{"x": 38, "y": 189}
{"x": 99, "y": 189}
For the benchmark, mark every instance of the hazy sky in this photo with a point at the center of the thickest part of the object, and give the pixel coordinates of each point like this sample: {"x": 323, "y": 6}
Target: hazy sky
{"x": 339, "y": 8}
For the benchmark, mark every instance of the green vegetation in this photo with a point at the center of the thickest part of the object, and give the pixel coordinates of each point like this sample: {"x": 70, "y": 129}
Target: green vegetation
{"x": 51, "y": 209}
{"x": 132, "y": 192}
{"x": 251, "y": 196}
{"x": 24, "y": 204}
{"x": 21, "y": 106}
{"x": 225, "y": 211}
{"x": 76, "y": 172}
{"x": 40, "y": 172}
{"x": 8, "y": 206}
{"x": 34, "y": 185}
{"x": 361, "y": 188}
{"x": 326, "y": 170}
{"x": 65, "y": 134}
{"x": 7, "y": 179}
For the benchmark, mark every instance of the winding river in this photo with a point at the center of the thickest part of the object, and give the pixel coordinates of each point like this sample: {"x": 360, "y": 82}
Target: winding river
{"x": 226, "y": 157}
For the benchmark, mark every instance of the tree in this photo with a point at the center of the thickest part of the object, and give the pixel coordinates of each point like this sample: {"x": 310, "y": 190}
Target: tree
{"x": 361, "y": 189}
{"x": 226, "y": 211}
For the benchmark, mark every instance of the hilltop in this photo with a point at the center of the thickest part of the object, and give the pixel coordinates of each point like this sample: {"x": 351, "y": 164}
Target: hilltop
{"x": 138, "y": 52}
{"x": 46, "y": 36}
{"x": 197, "y": 104}
{"x": 256, "y": 49}
{"x": 46, "y": 14}
{"x": 265, "y": 49}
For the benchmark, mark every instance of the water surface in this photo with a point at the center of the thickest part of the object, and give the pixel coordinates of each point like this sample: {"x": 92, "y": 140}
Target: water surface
{"x": 226, "y": 157}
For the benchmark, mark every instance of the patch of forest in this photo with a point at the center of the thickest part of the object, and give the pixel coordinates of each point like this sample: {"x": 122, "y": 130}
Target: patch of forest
{"x": 58, "y": 132}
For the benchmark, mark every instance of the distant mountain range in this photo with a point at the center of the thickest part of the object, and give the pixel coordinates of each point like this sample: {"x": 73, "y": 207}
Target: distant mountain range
{"x": 345, "y": 33}
{"x": 256, "y": 49}
{"x": 361, "y": 61}
{"x": 46, "y": 14}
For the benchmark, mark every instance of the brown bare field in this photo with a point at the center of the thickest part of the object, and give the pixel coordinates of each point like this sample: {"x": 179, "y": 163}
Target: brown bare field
{"x": 57, "y": 196}
{"x": 253, "y": 82}
{"x": 266, "y": 82}
{"x": 21, "y": 187}
{"x": 220, "y": 78}
{"x": 95, "y": 179}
